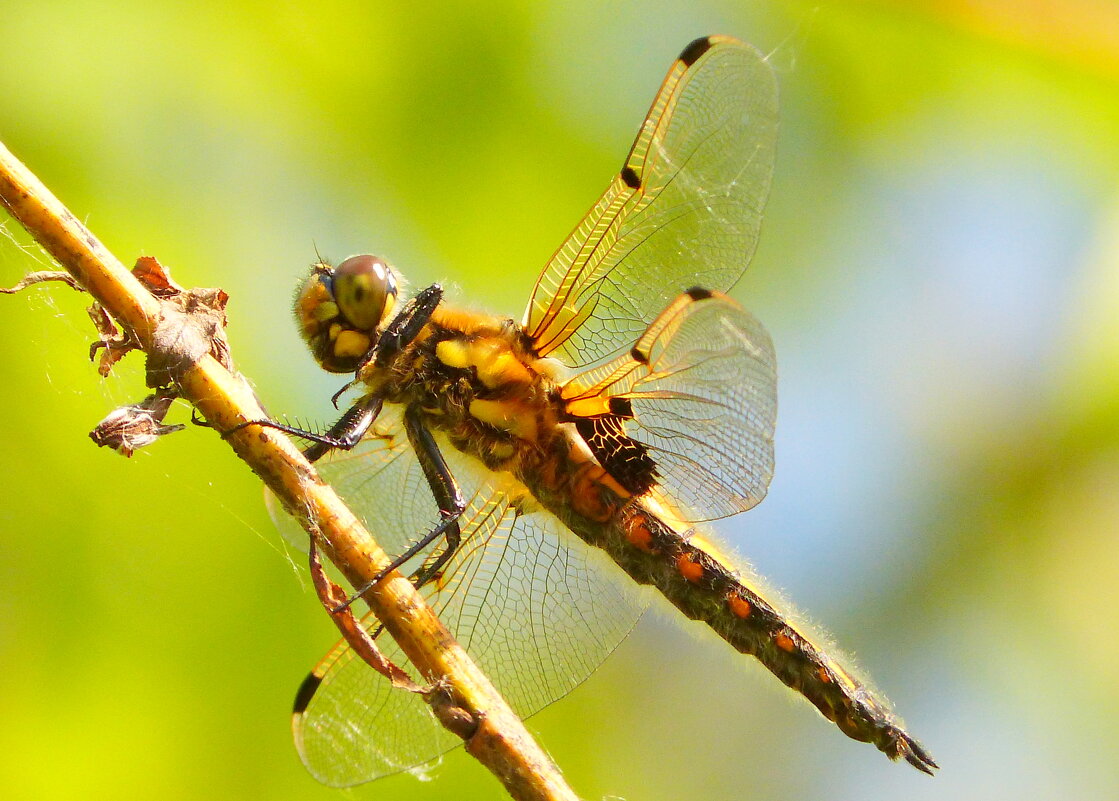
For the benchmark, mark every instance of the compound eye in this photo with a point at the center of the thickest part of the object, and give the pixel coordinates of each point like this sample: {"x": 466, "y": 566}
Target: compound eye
{"x": 365, "y": 291}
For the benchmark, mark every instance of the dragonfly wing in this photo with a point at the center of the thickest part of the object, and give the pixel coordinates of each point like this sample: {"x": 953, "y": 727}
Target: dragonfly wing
{"x": 536, "y": 609}
{"x": 684, "y": 211}
{"x": 689, "y": 412}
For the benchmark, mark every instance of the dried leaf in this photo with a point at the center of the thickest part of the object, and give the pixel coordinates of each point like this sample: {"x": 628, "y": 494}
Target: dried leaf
{"x": 193, "y": 322}
{"x": 115, "y": 343}
{"x": 130, "y": 428}
{"x": 153, "y": 275}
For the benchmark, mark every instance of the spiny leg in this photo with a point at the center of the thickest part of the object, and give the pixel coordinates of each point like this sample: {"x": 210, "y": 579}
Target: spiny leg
{"x": 447, "y": 495}
{"x": 347, "y": 432}
{"x": 443, "y": 486}
{"x": 343, "y": 435}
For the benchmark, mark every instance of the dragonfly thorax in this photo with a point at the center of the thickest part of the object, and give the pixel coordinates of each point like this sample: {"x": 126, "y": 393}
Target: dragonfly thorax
{"x": 472, "y": 377}
{"x": 341, "y": 310}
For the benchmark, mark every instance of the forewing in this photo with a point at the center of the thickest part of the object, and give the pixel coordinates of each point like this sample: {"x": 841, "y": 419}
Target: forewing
{"x": 699, "y": 392}
{"x": 534, "y": 607}
{"x": 684, "y": 211}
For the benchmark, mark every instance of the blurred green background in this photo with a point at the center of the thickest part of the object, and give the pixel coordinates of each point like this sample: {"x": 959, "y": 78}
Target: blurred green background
{"x": 938, "y": 270}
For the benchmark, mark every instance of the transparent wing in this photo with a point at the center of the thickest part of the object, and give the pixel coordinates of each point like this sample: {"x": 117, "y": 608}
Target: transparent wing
{"x": 537, "y": 615}
{"x": 684, "y": 211}
{"x": 699, "y": 392}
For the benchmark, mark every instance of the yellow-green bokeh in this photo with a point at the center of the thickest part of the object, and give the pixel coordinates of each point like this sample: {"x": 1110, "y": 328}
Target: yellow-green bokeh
{"x": 939, "y": 269}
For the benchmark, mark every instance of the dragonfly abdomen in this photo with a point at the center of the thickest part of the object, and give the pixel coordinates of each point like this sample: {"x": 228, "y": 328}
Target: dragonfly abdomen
{"x": 691, "y": 574}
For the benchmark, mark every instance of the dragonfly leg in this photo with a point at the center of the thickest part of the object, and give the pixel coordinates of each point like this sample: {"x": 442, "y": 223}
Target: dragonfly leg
{"x": 447, "y": 495}
{"x": 443, "y": 487}
{"x": 363, "y": 643}
{"x": 343, "y": 435}
{"x": 347, "y": 432}
{"x": 406, "y": 325}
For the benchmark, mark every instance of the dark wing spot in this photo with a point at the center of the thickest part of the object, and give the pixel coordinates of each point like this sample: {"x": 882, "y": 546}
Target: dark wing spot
{"x": 621, "y": 407}
{"x": 306, "y": 692}
{"x": 694, "y": 50}
{"x": 630, "y": 177}
{"x": 698, "y": 293}
{"x": 627, "y": 460}
{"x": 639, "y": 356}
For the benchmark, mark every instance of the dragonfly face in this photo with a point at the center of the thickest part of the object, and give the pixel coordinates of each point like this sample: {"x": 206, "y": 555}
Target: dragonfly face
{"x": 340, "y": 309}
{"x": 662, "y": 419}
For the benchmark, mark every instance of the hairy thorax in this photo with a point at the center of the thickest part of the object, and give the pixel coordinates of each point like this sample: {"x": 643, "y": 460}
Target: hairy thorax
{"x": 474, "y": 378}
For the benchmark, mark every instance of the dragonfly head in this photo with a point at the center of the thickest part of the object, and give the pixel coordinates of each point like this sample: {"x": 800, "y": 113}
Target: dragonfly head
{"x": 341, "y": 310}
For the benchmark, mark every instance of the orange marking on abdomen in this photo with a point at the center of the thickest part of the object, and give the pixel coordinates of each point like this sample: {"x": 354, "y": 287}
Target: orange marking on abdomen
{"x": 739, "y": 606}
{"x": 639, "y": 534}
{"x": 824, "y": 676}
{"x": 785, "y": 642}
{"x": 692, "y": 571}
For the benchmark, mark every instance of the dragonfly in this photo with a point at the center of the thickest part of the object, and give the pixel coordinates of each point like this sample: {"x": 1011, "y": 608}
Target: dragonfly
{"x": 533, "y": 475}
